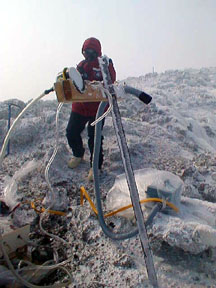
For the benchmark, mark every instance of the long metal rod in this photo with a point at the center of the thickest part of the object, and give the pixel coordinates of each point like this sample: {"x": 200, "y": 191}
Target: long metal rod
{"x": 129, "y": 174}
{"x": 134, "y": 193}
{"x": 9, "y": 123}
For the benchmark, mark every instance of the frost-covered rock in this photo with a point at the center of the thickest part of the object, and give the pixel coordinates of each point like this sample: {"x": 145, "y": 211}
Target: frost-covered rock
{"x": 3, "y": 129}
{"x": 28, "y": 131}
{"x": 193, "y": 230}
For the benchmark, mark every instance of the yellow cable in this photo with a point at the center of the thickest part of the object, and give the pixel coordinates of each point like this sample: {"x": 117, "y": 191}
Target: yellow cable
{"x": 83, "y": 193}
{"x": 32, "y": 204}
{"x": 49, "y": 211}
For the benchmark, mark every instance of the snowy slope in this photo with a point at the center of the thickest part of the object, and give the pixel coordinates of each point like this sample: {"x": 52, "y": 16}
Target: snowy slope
{"x": 176, "y": 133}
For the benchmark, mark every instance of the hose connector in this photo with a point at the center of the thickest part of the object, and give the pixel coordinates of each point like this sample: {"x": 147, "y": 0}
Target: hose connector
{"x": 144, "y": 97}
{"x": 48, "y": 91}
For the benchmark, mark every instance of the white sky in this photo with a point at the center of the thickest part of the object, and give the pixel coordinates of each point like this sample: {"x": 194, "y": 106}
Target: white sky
{"x": 41, "y": 37}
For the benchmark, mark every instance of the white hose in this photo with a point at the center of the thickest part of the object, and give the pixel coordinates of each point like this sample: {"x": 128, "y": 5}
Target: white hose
{"x": 53, "y": 200}
{"x": 53, "y": 155}
{"x": 35, "y": 269}
{"x": 16, "y": 121}
{"x": 44, "y": 266}
{"x": 108, "y": 110}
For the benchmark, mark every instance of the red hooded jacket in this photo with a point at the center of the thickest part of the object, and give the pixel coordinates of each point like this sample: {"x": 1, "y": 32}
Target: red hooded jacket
{"x": 90, "y": 70}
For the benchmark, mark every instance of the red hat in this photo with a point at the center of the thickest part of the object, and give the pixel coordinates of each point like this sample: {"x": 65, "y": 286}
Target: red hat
{"x": 92, "y": 43}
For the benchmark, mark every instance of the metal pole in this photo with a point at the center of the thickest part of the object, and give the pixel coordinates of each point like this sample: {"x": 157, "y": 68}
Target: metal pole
{"x": 9, "y": 123}
{"x": 134, "y": 193}
{"x": 104, "y": 62}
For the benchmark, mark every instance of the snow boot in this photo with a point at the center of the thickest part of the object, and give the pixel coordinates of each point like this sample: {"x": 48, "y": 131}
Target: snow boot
{"x": 90, "y": 175}
{"x": 74, "y": 162}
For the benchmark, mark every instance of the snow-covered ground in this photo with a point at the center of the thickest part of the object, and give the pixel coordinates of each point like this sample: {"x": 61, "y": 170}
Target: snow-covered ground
{"x": 176, "y": 132}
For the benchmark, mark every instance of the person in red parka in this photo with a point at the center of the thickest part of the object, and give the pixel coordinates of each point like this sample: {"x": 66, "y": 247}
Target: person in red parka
{"x": 85, "y": 112}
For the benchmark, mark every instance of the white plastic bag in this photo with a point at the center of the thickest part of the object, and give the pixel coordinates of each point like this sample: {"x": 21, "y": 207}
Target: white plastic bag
{"x": 162, "y": 181}
{"x": 10, "y": 184}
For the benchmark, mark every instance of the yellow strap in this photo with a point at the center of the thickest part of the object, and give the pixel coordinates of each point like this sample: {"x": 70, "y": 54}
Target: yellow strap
{"x": 84, "y": 193}
{"x": 64, "y": 73}
{"x": 49, "y": 211}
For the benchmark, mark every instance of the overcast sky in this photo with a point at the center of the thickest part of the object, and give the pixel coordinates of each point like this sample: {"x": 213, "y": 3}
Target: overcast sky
{"x": 41, "y": 37}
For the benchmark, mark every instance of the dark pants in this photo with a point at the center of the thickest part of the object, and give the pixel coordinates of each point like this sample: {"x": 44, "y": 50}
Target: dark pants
{"x": 74, "y": 129}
